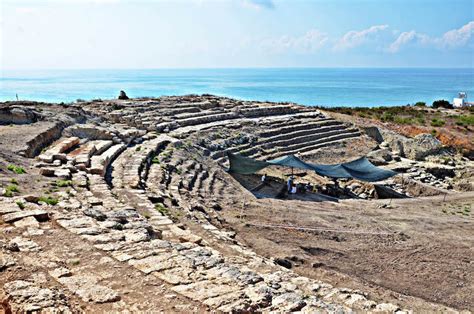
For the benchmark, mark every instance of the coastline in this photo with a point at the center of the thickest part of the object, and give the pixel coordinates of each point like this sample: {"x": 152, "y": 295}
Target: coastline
{"x": 328, "y": 87}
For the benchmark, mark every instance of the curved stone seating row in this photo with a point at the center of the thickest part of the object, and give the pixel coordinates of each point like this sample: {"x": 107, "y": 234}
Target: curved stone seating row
{"x": 130, "y": 170}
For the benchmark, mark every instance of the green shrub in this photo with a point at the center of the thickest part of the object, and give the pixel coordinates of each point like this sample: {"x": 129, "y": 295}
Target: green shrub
{"x": 421, "y": 120}
{"x": 162, "y": 209}
{"x": 442, "y": 104}
{"x": 138, "y": 148}
{"x": 63, "y": 183}
{"x": 10, "y": 189}
{"x": 13, "y": 181}
{"x": 155, "y": 160}
{"x": 403, "y": 120}
{"x": 387, "y": 117}
{"x": 20, "y": 204}
{"x": 16, "y": 169}
{"x": 420, "y": 104}
{"x": 437, "y": 122}
{"x": 49, "y": 200}
{"x": 465, "y": 120}
{"x": 13, "y": 188}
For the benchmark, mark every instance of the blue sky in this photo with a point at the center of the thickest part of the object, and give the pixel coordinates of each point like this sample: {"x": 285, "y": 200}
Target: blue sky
{"x": 70, "y": 34}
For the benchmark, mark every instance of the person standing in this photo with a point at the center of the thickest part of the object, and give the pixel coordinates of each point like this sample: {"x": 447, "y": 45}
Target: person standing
{"x": 289, "y": 184}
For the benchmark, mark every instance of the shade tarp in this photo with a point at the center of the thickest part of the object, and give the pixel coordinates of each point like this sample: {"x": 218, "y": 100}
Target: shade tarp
{"x": 290, "y": 161}
{"x": 360, "y": 169}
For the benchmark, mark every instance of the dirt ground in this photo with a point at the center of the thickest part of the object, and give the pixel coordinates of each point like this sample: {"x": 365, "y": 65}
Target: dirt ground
{"x": 409, "y": 249}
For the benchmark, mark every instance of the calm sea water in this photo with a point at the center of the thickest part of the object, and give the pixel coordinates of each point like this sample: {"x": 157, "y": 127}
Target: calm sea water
{"x": 308, "y": 86}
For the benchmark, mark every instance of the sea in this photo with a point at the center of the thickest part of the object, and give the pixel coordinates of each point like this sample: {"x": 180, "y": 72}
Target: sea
{"x": 355, "y": 87}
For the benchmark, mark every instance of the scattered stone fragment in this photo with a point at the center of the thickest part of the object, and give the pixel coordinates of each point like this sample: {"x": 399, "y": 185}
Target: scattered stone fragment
{"x": 40, "y": 215}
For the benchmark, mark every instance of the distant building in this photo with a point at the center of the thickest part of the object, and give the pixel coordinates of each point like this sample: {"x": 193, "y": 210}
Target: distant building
{"x": 461, "y": 101}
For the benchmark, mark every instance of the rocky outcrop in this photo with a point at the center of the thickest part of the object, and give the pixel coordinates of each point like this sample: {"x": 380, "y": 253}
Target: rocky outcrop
{"x": 374, "y": 133}
{"x": 18, "y": 115}
{"x": 416, "y": 148}
{"x": 380, "y": 156}
{"x": 34, "y": 146}
{"x": 122, "y": 95}
{"x": 421, "y": 146}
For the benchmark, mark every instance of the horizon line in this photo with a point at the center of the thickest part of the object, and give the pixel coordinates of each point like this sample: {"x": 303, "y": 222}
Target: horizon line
{"x": 237, "y": 68}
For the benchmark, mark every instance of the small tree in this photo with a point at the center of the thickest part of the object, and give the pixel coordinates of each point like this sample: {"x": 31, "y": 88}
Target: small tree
{"x": 420, "y": 104}
{"x": 442, "y": 104}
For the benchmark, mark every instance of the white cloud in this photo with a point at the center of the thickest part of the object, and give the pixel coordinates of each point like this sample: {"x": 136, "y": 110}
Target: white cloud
{"x": 356, "y": 38}
{"x": 456, "y": 37}
{"x": 311, "y": 41}
{"x": 259, "y": 4}
{"x": 406, "y": 38}
{"x": 452, "y": 39}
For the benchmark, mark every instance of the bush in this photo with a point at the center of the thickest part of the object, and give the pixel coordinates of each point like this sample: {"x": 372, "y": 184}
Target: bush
{"x": 162, "y": 209}
{"x": 420, "y": 104}
{"x": 437, "y": 122}
{"x": 16, "y": 169}
{"x": 421, "y": 120}
{"x": 387, "y": 117}
{"x": 13, "y": 188}
{"x": 403, "y": 120}
{"x": 442, "y": 104}
{"x": 63, "y": 183}
{"x": 20, "y": 204}
{"x": 155, "y": 160}
{"x": 465, "y": 120}
{"x": 49, "y": 200}
{"x": 10, "y": 189}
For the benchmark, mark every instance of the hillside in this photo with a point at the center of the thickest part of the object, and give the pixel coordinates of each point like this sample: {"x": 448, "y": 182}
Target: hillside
{"x": 115, "y": 205}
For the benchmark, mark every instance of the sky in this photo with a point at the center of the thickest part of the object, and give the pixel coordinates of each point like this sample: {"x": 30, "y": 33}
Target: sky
{"x": 138, "y": 34}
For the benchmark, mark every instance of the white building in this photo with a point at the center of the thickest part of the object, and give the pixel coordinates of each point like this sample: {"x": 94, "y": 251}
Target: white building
{"x": 461, "y": 100}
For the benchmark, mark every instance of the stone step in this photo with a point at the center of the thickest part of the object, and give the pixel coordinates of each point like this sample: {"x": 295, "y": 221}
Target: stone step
{"x": 268, "y": 111}
{"x": 305, "y": 137}
{"x": 303, "y": 129}
{"x": 207, "y": 119}
{"x": 334, "y": 140}
{"x": 281, "y": 132}
{"x": 201, "y": 177}
{"x": 100, "y": 163}
{"x": 296, "y": 125}
{"x": 56, "y": 151}
{"x": 39, "y": 214}
{"x": 199, "y": 114}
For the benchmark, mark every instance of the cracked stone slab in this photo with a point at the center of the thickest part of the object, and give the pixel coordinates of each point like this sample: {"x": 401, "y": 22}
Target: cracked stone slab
{"x": 39, "y": 214}
{"x": 89, "y": 290}
{"x": 26, "y": 296}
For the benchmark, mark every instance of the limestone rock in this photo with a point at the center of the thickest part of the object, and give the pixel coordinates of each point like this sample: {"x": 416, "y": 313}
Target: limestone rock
{"x": 89, "y": 290}
{"x": 288, "y": 302}
{"x": 380, "y": 156}
{"x": 27, "y": 297}
{"x": 122, "y": 95}
{"x": 6, "y": 261}
{"x": 374, "y": 133}
{"x": 27, "y": 222}
{"x": 39, "y": 214}
{"x": 421, "y": 146}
